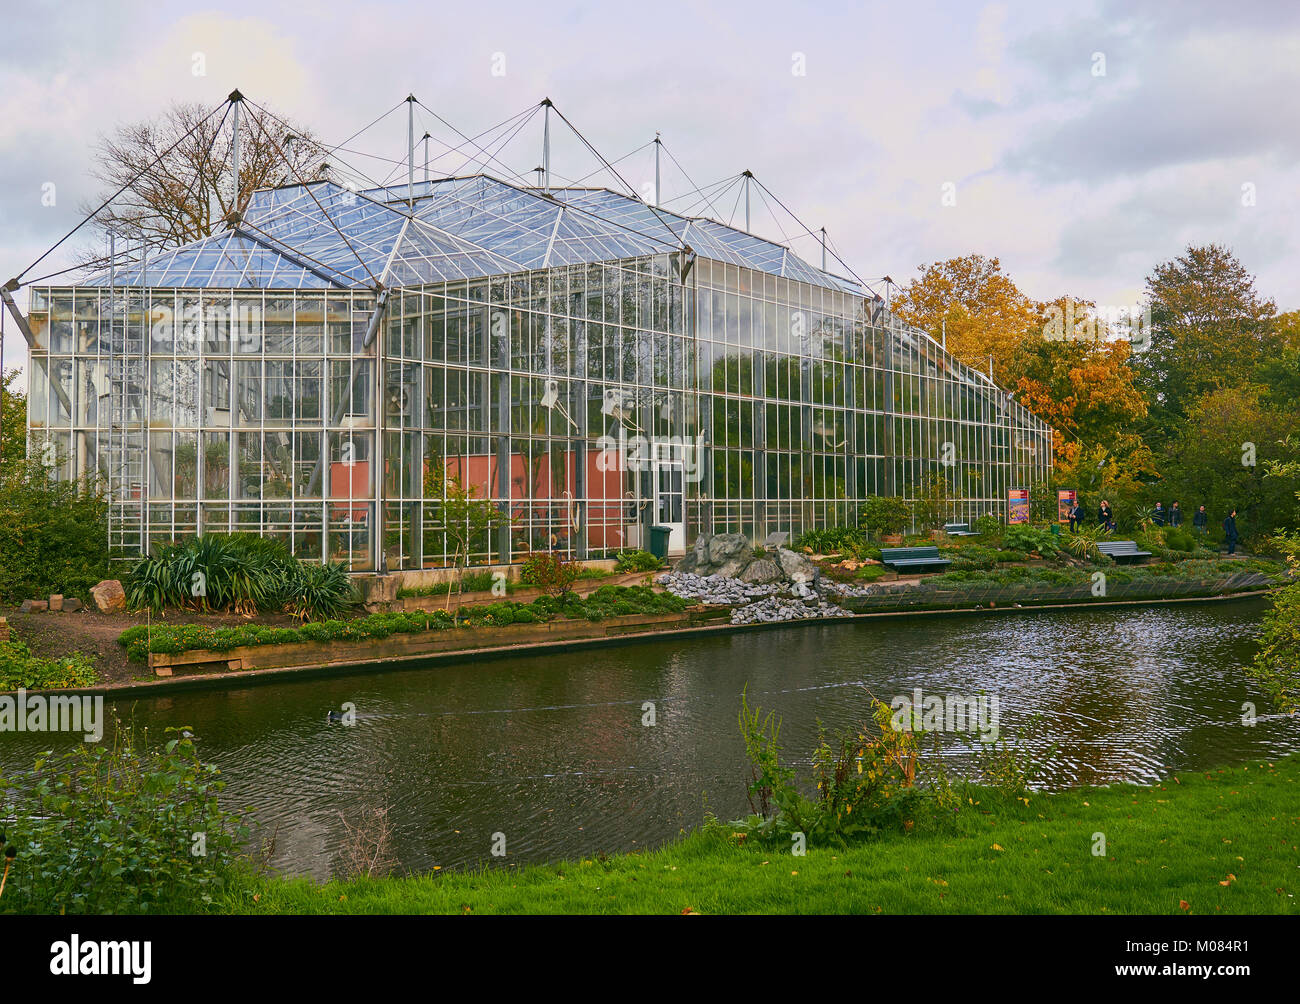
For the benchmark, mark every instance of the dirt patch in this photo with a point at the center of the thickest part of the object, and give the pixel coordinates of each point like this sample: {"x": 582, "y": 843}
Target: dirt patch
{"x": 95, "y": 634}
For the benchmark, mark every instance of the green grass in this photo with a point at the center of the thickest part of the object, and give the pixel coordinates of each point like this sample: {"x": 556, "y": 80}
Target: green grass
{"x": 1176, "y": 842}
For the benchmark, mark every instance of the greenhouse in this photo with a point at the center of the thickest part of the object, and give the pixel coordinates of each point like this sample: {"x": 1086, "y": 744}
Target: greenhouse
{"x": 327, "y": 369}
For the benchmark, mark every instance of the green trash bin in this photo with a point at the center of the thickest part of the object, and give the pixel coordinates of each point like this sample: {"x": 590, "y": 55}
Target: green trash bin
{"x": 1056, "y": 529}
{"x": 659, "y": 541}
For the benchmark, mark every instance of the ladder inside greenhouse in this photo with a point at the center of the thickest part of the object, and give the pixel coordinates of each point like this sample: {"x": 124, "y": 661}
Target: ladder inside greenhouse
{"x": 128, "y": 418}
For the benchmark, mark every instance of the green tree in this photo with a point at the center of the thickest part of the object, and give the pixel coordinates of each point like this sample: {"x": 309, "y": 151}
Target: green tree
{"x": 1223, "y": 455}
{"x": 1210, "y": 328}
{"x": 13, "y": 421}
{"x": 53, "y": 534}
{"x": 465, "y": 518}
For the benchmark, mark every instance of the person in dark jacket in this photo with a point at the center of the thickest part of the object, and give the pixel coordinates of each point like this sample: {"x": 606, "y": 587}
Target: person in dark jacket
{"x": 1201, "y": 521}
{"x": 1076, "y": 516}
{"x": 1158, "y": 517}
{"x": 1105, "y": 516}
{"x": 1175, "y": 516}
{"x": 1230, "y": 532}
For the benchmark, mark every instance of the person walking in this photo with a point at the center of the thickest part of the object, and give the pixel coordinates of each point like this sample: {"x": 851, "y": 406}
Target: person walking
{"x": 1175, "y": 516}
{"x": 1201, "y": 521}
{"x": 1230, "y": 531}
{"x": 1158, "y": 517}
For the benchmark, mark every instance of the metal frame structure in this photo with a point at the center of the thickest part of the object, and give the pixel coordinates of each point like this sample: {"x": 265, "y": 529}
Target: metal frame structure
{"x": 302, "y": 371}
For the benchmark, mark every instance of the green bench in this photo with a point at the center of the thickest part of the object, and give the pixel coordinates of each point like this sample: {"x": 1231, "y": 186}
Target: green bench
{"x": 1122, "y": 551}
{"x": 912, "y": 557}
{"x": 959, "y": 530}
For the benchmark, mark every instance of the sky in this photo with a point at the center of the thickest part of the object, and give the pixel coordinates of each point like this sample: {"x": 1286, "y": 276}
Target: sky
{"x": 1080, "y": 143}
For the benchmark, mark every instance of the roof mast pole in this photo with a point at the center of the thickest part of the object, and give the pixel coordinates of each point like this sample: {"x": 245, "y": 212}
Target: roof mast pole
{"x": 546, "y": 144}
{"x": 658, "y": 196}
{"x": 747, "y": 176}
{"x": 236, "y": 101}
{"x": 823, "y": 249}
{"x": 426, "y": 156}
{"x": 410, "y": 151}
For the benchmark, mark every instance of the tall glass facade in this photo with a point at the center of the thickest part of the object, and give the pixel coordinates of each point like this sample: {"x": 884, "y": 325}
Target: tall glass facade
{"x": 588, "y": 399}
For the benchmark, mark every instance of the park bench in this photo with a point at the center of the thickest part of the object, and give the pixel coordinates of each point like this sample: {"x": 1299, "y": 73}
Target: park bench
{"x": 1122, "y": 550}
{"x": 912, "y": 557}
{"x": 959, "y": 530}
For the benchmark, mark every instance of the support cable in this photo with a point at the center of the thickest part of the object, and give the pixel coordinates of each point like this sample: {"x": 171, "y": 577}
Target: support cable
{"x": 105, "y": 203}
{"x": 307, "y": 189}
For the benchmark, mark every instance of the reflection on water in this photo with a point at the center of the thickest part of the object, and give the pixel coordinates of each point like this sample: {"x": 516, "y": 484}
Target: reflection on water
{"x": 552, "y": 752}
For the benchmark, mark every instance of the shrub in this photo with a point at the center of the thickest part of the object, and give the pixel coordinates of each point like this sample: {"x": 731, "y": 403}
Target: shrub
{"x": 636, "y": 561}
{"x": 109, "y": 829}
{"x": 1026, "y": 538}
{"x": 1277, "y": 664}
{"x": 320, "y": 592}
{"x": 53, "y": 534}
{"x": 20, "y": 669}
{"x": 240, "y": 572}
{"x": 988, "y": 526}
{"x": 882, "y": 515}
{"x": 550, "y": 573}
{"x": 865, "y": 778}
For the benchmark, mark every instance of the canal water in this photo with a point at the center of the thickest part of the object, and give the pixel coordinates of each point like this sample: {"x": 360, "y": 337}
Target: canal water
{"x": 555, "y": 753}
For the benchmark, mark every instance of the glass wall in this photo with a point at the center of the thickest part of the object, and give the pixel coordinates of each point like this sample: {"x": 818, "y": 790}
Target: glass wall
{"x": 587, "y": 401}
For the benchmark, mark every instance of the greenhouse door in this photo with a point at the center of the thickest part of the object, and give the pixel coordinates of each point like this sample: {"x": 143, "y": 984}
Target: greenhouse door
{"x": 670, "y": 502}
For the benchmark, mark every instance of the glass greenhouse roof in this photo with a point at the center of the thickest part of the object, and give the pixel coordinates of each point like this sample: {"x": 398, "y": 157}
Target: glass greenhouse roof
{"x": 322, "y": 235}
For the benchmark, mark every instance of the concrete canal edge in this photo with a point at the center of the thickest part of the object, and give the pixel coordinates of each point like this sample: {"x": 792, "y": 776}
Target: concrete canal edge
{"x": 565, "y": 636}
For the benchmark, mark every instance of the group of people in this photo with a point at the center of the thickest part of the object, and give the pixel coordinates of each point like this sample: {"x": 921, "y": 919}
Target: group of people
{"x": 1162, "y": 517}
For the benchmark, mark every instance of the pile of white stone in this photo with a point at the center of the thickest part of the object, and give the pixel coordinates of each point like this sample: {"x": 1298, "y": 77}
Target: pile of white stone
{"x": 778, "y": 585}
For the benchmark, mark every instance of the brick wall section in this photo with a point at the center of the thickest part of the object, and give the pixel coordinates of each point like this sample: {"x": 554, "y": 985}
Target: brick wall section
{"x": 4, "y": 629}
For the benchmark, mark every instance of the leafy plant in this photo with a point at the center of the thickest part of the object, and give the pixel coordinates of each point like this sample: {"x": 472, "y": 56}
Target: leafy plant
{"x": 321, "y": 592}
{"x": 20, "y": 669}
{"x": 635, "y": 560}
{"x": 883, "y": 515}
{"x": 121, "y": 828}
{"x": 551, "y": 574}
{"x": 53, "y": 534}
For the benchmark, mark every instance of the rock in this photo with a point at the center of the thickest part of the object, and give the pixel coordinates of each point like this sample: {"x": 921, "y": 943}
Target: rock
{"x": 796, "y": 567}
{"x": 726, "y": 546}
{"x": 732, "y": 568}
{"x": 762, "y": 570}
{"x": 56, "y": 602}
{"x": 109, "y": 596}
{"x": 34, "y": 606}
{"x": 72, "y": 605}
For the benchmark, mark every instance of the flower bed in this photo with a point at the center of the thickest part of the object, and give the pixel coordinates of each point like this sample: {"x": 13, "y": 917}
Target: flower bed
{"x": 605, "y": 602}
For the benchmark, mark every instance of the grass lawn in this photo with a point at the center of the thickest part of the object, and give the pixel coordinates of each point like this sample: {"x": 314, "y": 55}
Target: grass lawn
{"x": 1227, "y": 841}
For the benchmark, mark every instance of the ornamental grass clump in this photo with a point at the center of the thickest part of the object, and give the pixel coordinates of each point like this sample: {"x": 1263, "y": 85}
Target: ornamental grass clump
{"x": 238, "y": 573}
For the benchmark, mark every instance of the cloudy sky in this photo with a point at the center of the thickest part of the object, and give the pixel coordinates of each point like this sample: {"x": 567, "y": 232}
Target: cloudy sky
{"x": 1081, "y": 145}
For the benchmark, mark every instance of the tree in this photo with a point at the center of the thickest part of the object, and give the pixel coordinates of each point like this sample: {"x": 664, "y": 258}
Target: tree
{"x": 464, "y": 517}
{"x": 1209, "y": 329}
{"x": 984, "y": 312}
{"x": 1223, "y": 453}
{"x": 1083, "y": 387}
{"x": 13, "y": 421}
{"x": 189, "y": 192}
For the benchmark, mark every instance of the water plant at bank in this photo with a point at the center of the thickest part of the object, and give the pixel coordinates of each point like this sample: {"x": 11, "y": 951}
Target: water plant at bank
{"x": 121, "y": 827}
{"x": 603, "y": 603}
